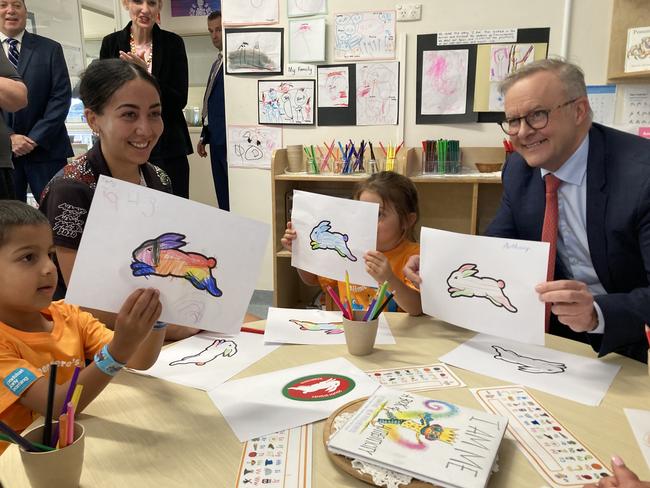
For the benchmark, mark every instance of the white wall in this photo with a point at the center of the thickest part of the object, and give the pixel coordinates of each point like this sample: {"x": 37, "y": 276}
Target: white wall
{"x": 588, "y": 46}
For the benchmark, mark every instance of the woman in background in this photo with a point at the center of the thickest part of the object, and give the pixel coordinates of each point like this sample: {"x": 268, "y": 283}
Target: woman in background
{"x": 162, "y": 54}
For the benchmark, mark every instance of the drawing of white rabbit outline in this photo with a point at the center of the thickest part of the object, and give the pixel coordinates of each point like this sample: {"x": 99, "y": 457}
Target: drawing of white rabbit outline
{"x": 322, "y": 238}
{"x": 463, "y": 282}
{"x": 217, "y": 348}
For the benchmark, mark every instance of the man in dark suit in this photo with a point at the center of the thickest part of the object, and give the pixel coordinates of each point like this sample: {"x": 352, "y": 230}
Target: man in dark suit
{"x": 214, "y": 118}
{"x": 39, "y": 139}
{"x": 600, "y": 290}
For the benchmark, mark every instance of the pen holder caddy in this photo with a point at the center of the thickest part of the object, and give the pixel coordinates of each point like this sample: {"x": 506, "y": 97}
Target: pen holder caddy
{"x": 60, "y": 468}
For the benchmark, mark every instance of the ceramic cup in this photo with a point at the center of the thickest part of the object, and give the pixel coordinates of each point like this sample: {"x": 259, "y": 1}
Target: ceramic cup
{"x": 359, "y": 335}
{"x": 61, "y": 467}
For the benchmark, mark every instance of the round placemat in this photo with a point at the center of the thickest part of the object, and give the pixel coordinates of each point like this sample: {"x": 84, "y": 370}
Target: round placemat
{"x": 345, "y": 463}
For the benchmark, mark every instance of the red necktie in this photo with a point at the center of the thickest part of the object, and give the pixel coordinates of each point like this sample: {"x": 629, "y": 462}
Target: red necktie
{"x": 549, "y": 231}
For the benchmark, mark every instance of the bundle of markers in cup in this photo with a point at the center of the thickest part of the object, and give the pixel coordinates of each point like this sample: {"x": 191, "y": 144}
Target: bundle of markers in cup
{"x": 375, "y": 308}
{"x": 59, "y": 435}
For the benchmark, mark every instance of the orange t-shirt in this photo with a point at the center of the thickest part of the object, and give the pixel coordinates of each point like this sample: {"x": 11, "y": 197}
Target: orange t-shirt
{"x": 363, "y": 295}
{"x": 26, "y": 356}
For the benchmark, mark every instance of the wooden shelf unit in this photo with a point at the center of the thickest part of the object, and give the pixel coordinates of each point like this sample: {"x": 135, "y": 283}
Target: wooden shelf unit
{"x": 460, "y": 203}
{"x": 626, "y": 14}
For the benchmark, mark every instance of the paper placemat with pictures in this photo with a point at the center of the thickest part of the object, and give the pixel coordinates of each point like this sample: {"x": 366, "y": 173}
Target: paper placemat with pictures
{"x": 436, "y": 376}
{"x": 553, "y": 451}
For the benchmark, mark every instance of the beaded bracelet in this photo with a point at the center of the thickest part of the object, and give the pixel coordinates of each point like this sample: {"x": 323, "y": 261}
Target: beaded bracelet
{"x": 159, "y": 325}
{"x": 107, "y": 363}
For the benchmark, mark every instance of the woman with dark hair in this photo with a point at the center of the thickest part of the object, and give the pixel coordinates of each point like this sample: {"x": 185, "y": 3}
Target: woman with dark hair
{"x": 122, "y": 106}
{"x": 162, "y": 54}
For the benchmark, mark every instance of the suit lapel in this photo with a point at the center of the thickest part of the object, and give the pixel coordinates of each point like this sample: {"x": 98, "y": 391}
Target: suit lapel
{"x": 26, "y": 51}
{"x": 597, "y": 206}
{"x": 124, "y": 39}
{"x": 157, "y": 58}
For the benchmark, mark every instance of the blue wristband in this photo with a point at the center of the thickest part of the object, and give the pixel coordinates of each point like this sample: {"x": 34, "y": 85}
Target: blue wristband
{"x": 159, "y": 325}
{"x": 106, "y": 363}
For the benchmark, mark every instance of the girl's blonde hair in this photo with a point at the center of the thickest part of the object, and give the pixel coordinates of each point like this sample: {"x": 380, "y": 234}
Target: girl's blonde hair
{"x": 397, "y": 191}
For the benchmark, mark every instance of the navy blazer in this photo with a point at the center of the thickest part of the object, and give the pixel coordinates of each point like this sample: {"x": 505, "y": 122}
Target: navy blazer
{"x": 214, "y": 133}
{"x": 618, "y": 230}
{"x": 44, "y": 71}
{"x": 169, "y": 67}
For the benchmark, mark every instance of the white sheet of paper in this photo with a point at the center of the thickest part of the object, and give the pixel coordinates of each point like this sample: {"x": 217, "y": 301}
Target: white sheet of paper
{"x": 377, "y": 93}
{"x": 302, "y": 326}
{"x": 252, "y": 146}
{"x": 307, "y": 40}
{"x": 206, "y": 360}
{"x": 333, "y": 86}
{"x": 499, "y": 298}
{"x": 332, "y": 236}
{"x": 124, "y": 216}
{"x": 364, "y": 35}
{"x": 640, "y": 424}
{"x": 250, "y": 12}
{"x": 260, "y": 405}
{"x": 444, "y": 82}
{"x": 303, "y": 8}
{"x": 577, "y": 378}
{"x": 253, "y": 51}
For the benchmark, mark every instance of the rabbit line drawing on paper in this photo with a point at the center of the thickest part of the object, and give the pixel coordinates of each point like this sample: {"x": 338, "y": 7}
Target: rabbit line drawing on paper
{"x": 322, "y": 238}
{"x": 218, "y": 348}
{"x": 527, "y": 364}
{"x": 327, "y": 327}
{"x": 162, "y": 257}
{"x": 465, "y": 282}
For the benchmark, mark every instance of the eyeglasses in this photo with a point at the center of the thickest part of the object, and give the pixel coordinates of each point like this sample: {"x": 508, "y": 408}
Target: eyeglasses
{"x": 537, "y": 119}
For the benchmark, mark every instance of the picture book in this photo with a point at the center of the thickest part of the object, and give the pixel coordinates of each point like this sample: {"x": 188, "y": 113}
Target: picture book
{"x": 431, "y": 440}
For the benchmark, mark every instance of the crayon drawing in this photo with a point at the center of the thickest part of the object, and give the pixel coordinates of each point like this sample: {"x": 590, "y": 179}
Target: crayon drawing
{"x": 286, "y": 102}
{"x": 365, "y": 35}
{"x": 250, "y": 12}
{"x": 162, "y": 257}
{"x": 307, "y": 40}
{"x": 444, "y": 82}
{"x": 504, "y": 60}
{"x": 327, "y": 327}
{"x": 377, "y": 93}
{"x": 254, "y": 51}
{"x": 218, "y": 348}
{"x": 528, "y": 364}
{"x": 252, "y": 146}
{"x": 322, "y": 238}
{"x": 333, "y": 86}
{"x": 303, "y": 8}
{"x": 465, "y": 282}
{"x": 199, "y": 8}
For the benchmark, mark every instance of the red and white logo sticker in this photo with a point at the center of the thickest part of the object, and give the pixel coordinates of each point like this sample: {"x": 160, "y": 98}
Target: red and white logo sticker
{"x": 318, "y": 387}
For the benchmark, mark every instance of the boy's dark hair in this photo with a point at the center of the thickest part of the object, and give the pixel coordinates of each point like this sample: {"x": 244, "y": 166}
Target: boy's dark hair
{"x": 214, "y": 15}
{"x": 14, "y": 213}
{"x": 396, "y": 191}
{"x": 104, "y": 77}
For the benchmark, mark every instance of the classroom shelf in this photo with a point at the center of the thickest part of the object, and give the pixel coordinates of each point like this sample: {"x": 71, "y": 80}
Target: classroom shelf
{"x": 626, "y": 14}
{"x": 460, "y": 203}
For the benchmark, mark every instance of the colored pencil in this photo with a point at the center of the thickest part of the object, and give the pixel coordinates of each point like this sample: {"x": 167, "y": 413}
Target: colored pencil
{"x": 370, "y": 307}
{"x": 68, "y": 397}
{"x": 17, "y": 438}
{"x": 253, "y": 331}
{"x": 347, "y": 291}
{"x": 70, "y": 414}
{"x": 51, "y": 390}
{"x": 336, "y": 299}
{"x": 389, "y": 297}
{"x": 42, "y": 447}
{"x": 77, "y": 395}
{"x": 380, "y": 295}
{"x": 63, "y": 428}
{"x": 647, "y": 334}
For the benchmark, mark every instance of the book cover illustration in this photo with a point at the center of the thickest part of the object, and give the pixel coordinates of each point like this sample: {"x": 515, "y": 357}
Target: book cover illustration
{"x": 431, "y": 440}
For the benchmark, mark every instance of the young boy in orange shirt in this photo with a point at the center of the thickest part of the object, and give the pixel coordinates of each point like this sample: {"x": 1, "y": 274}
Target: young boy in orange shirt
{"x": 36, "y": 332}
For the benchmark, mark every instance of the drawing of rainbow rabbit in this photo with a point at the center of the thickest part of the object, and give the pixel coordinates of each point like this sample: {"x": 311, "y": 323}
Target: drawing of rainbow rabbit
{"x": 322, "y": 238}
{"x": 327, "y": 327}
{"x": 464, "y": 282}
{"x": 161, "y": 257}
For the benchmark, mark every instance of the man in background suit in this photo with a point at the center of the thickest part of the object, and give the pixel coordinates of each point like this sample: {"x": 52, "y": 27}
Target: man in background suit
{"x": 39, "y": 139}
{"x": 214, "y": 118}
{"x": 600, "y": 290}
